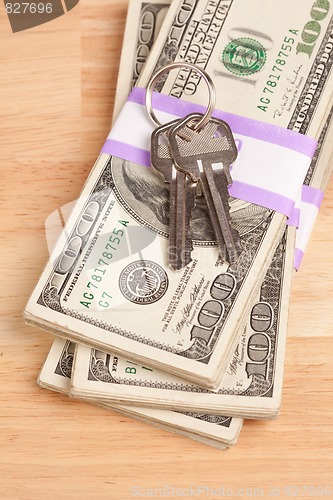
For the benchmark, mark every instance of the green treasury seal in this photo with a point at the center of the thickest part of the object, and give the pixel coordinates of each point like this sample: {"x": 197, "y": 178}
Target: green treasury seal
{"x": 244, "y": 56}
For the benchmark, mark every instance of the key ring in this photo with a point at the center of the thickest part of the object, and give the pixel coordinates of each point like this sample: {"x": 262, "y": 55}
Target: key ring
{"x": 175, "y": 65}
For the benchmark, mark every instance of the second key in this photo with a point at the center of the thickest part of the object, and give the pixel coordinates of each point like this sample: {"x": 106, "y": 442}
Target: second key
{"x": 205, "y": 155}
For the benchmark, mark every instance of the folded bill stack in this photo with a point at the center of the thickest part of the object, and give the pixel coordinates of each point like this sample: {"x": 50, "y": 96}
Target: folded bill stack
{"x": 129, "y": 330}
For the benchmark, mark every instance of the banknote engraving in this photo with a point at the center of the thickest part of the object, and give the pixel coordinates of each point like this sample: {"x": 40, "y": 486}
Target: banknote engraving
{"x": 315, "y": 163}
{"x": 264, "y": 328}
{"x": 244, "y": 56}
{"x": 193, "y": 41}
{"x": 143, "y": 282}
{"x": 77, "y": 239}
{"x": 148, "y": 28}
{"x": 212, "y": 419}
{"x": 65, "y": 363}
{"x": 313, "y": 88}
{"x": 99, "y": 368}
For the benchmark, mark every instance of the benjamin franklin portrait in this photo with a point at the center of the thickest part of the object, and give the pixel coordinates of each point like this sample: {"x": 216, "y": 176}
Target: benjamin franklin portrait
{"x": 143, "y": 192}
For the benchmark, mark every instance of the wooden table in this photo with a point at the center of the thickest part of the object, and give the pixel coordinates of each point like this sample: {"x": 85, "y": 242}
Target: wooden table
{"x": 52, "y": 447}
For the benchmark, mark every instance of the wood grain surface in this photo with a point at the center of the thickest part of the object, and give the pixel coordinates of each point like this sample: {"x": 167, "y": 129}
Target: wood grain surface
{"x": 52, "y": 447}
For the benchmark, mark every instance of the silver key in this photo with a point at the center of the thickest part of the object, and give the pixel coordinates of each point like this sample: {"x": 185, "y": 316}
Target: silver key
{"x": 182, "y": 198}
{"x": 205, "y": 155}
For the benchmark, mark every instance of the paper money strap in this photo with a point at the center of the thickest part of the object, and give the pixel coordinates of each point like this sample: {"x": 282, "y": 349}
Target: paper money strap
{"x": 310, "y": 204}
{"x": 272, "y": 161}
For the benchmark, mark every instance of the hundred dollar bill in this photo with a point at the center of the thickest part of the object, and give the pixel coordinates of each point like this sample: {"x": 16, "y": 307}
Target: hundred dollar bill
{"x": 163, "y": 340}
{"x": 143, "y": 23}
{"x": 271, "y": 62}
{"x": 218, "y": 431}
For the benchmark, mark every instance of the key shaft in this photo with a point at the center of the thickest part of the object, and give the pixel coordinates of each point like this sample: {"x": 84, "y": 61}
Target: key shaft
{"x": 205, "y": 156}
{"x": 181, "y": 199}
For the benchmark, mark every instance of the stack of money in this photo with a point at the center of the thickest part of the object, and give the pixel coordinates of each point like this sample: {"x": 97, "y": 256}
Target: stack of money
{"x": 145, "y": 355}
{"x": 216, "y": 430}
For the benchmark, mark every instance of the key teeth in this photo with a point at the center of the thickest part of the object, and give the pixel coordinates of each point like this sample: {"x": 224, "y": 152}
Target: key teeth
{"x": 179, "y": 265}
{"x": 236, "y": 237}
{"x": 235, "y": 253}
{"x": 178, "y": 262}
{"x": 231, "y": 254}
{"x": 179, "y": 258}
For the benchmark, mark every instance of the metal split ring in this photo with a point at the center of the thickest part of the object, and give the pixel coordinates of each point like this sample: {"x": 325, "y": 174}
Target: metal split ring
{"x": 179, "y": 65}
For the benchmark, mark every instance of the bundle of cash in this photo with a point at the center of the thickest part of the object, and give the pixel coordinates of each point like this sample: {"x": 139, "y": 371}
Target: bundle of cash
{"x": 113, "y": 264}
{"x": 147, "y": 346}
{"x": 216, "y": 430}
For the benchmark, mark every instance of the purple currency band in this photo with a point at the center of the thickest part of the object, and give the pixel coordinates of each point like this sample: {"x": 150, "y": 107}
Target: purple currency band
{"x": 239, "y": 124}
{"x": 312, "y": 196}
{"x": 127, "y": 152}
{"x": 294, "y": 217}
{"x": 298, "y": 256}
